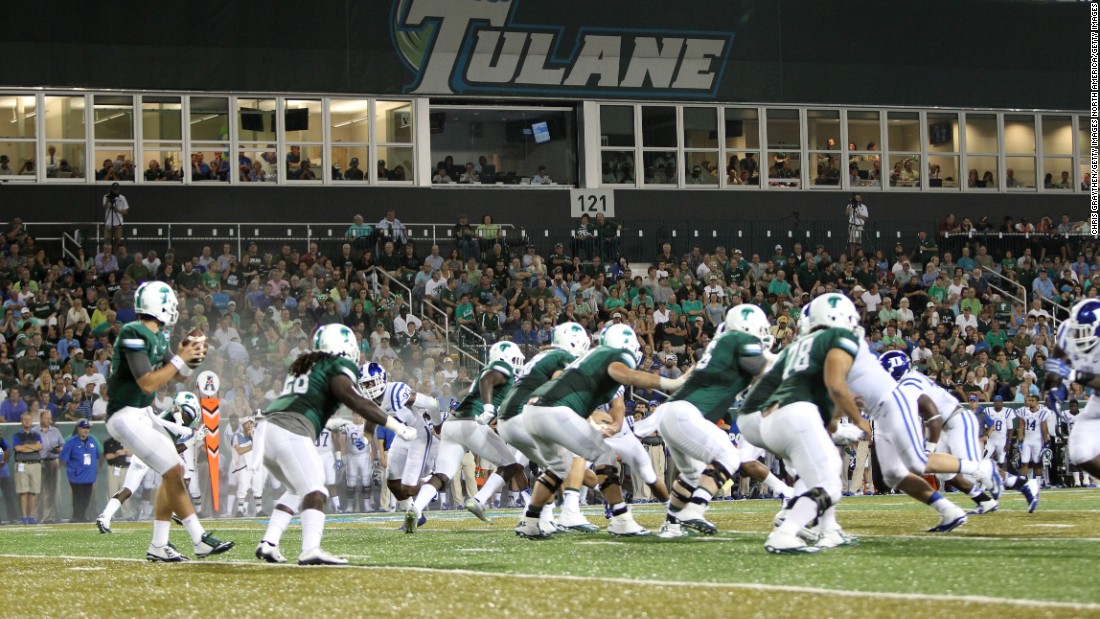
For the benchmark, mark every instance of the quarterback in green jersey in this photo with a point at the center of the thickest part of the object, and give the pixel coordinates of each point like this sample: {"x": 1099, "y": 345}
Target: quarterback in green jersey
{"x": 141, "y": 365}
{"x": 316, "y": 385}
{"x": 702, "y": 451}
{"x": 561, "y": 421}
{"x": 789, "y": 409}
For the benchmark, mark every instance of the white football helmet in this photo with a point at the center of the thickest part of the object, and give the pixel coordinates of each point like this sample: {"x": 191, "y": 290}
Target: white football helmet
{"x": 508, "y": 353}
{"x": 1079, "y": 335}
{"x": 572, "y": 337}
{"x": 372, "y": 381}
{"x": 750, "y": 319}
{"x": 186, "y": 409}
{"x": 831, "y": 310}
{"x": 337, "y": 339}
{"x": 622, "y": 337}
{"x": 157, "y": 300}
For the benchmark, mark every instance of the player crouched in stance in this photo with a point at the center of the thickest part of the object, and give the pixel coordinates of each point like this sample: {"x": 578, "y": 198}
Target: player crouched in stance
{"x": 791, "y": 407}
{"x": 142, "y": 364}
{"x": 1077, "y": 360}
{"x": 702, "y": 451}
{"x": 559, "y": 421}
{"x": 179, "y": 421}
{"x": 316, "y": 385}
{"x": 467, "y": 429}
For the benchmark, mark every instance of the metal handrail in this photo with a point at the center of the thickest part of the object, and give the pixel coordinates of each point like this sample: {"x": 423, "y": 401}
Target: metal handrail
{"x": 1023, "y": 290}
{"x": 1054, "y": 322}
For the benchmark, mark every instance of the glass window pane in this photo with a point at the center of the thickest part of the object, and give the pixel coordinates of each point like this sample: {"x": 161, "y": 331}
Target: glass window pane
{"x": 783, "y": 130}
{"x": 742, "y": 128}
{"x": 393, "y": 122}
{"x": 1020, "y": 172}
{"x": 700, "y": 127}
{"x": 209, "y": 163}
{"x": 903, "y": 131}
{"x": 983, "y": 170}
{"x": 616, "y": 125}
{"x": 350, "y": 119}
{"x": 113, "y": 117}
{"x": 304, "y": 162}
{"x": 905, "y": 171}
{"x": 943, "y": 133}
{"x": 1019, "y": 134}
{"x": 161, "y": 162}
{"x": 701, "y": 168}
{"x": 981, "y": 133}
{"x": 1057, "y": 173}
{"x": 1057, "y": 135}
{"x": 618, "y": 167}
{"x": 16, "y": 160}
{"x": 823, "y": 127}
{"x": 660, "y": 168}
{"x": 395, "y": 164}
{"x": 17, "y": 116}
{"x": 863, "y": 131}
{"x": 302, "y": 121}
{"x": 114, "y": 163}
{"x": 65, "y": 118}
{"x": 784, "y": 167}
{"x": 256, "y": 120}
{"x": 209, "y": 118}
{"x": 743, "y": 168}
{"x": 262, "y": 163}
{"x": 1083, "y": 144}
{"x": 64, "y": 161}
{"x": 827, "y": 170}
{"x": 161, "y": 118}
{"x": 352, "y": 161}
{"x": 943, "y": 171}
{"x": 658, "y": 126}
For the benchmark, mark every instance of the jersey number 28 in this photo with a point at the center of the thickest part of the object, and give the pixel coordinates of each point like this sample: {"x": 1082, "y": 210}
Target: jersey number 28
{"x": 296, "y": 385}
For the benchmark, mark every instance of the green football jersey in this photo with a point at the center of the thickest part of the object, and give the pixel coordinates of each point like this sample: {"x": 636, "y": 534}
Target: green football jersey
{"x": 310, "y": 395}
{"x": 585, "y": 385}
{"x": 719, "y": 376}
{"x": 537, "y": 372}
{"x": 122, "y": 385}
{"x": 799, "y": 373}
{"x": 470, "y": 406}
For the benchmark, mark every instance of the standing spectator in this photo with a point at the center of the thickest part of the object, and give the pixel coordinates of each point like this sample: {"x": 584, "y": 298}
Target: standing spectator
{"x": 114, "y": 203}
{"x": 7, "y": 489}
{"x": 390, "y": 228}
{"x": 465, "y": 236}
{"x": 12, "y": 409}
{"x": 81, "y": 457}
{"x": 857, "y": 218}
{"x": 52, "y": 442}
{"x": 28, "y": 468}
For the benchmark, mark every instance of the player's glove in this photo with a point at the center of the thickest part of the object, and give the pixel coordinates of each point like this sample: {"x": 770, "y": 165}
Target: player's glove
{"x": 929, "y": 447}
{"x": 406, "y": 433}
{"x": 846, "y": 434}
{"x": 359, "y": 443}
{"x": 488, "y": 411}
{"x": 339, "y": 464}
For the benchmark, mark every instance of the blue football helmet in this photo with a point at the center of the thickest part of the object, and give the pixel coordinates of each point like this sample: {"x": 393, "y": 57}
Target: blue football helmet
{"x": 895, "y": 362}
{"x": 372, "y": 381}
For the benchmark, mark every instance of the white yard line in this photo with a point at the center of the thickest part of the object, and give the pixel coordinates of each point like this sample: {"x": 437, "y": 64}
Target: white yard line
{"x": 911, "y": 597}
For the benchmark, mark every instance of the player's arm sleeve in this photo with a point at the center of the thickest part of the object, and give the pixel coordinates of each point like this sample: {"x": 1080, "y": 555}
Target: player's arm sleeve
{"x": 752, "y": 363}
{"x": 137, "y": 361}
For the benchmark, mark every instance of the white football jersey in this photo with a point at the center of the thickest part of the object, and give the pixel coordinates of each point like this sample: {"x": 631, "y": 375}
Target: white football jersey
{"x": 868, "y": 380}
{"x": 1033, "y": 423}
{"x": 395, "y": 400}
{"x": 353, "y": 432}
{"x": 324, "y": 441}
{"x": 946, "y": 404}
{"x": 999, "y": 420}
{"x": 1069, "y": 418}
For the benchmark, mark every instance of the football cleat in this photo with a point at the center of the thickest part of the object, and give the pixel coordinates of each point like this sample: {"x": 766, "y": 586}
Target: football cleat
{"x": 103, "y": 524}
{"x": 320, "y": 557}
{"x": 673, "y": 530}
{"x": 475, "y": 507}
{"x": 985, "y": 507}
{"x": 211, "y": 545}
{"x": 783, "y": 543}
{"x": 833, "y": 538}
{"x": 990, "y": 478}
{"x": 1030, "y": 490}
{"x": 576, "y": 522}
{"x": 692, "y": 517}
{"x": 164, "y": 554}
{"x": 529, "y": 529}
{"x": 270, "y": 553}
{"x": 950, "y": 521}
{"x": 807, "y": 534}
{"x": 625, "y": 526}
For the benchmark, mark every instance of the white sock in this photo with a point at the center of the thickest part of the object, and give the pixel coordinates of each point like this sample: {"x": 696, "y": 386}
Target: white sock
{"x": 423, "y": 497}
{"x": 109, "y": 512}
{"x": 1076, "y": 479}
{"x": 232, "y": 503}
{"x": 778, "y": 486}
{"x": 526, "y": 494}
{"x": 402, "y": 506}
{"x": 336, "y": 502}
{"x": 160, "y": 532}
{"x": 280, "y": 520}
{"x": 547, "y": 513}
{"x": 801, "y": 513}
{"x": 828, "y": 519}
{"x": 942, "y": 506}
{"x": 571, "y": 502}
{"x": 968, "y": 467}
{"x": 194, "y": 528}
{"x": 313, "y": 526}
{"x": 490, "y": 488}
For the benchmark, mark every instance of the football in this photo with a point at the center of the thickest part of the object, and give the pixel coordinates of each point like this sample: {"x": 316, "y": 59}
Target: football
{"x": 196, "y": 336}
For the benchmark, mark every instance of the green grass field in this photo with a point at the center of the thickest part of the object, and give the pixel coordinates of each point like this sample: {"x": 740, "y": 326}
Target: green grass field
{"x": 1009, "y": 563}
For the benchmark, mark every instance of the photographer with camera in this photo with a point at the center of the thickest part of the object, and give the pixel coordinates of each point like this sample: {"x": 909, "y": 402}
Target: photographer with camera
{"x": 116, "y": 206}
{"x": 857, "y": 217}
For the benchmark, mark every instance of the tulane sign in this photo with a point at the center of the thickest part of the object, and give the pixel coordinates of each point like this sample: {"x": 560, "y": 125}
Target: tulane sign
{"x": 476, "y": 47}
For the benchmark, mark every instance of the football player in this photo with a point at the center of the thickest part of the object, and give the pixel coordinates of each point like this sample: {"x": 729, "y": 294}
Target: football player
{"x": 141, "y": 364}
{"x": 1077, "y": 360}
{"x": 467, "y": 429}
{"x": 317, "y": 383}
{"x": 560, "y": 421}
{"x": 248, "y": 477}
{"x": 330, "y": 446}
{"x": 1032, "y": 435}
{"x": 179, "y": 422}
{"x": 790, "y": 407}
{"x": 358, "y": 468}
{"x": 409, "y": 459}
{"x": 998, "y": 420}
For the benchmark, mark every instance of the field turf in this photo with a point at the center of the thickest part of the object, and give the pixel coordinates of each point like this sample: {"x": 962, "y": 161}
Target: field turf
{"x": 1009, "y": 563}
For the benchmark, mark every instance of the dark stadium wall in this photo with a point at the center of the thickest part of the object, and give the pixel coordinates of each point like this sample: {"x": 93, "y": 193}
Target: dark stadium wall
{"x": 980, "y": 53}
